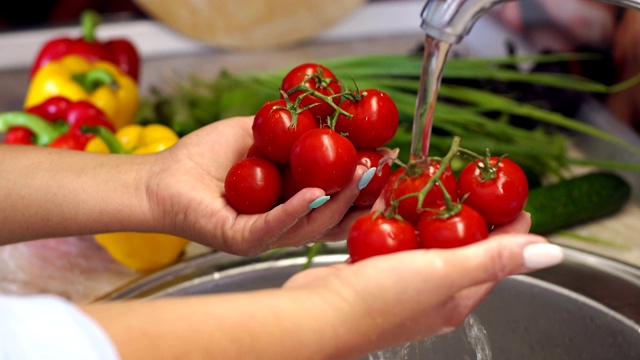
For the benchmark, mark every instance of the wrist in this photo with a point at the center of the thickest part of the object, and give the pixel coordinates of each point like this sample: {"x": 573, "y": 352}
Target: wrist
{"x": 129, "y": 200}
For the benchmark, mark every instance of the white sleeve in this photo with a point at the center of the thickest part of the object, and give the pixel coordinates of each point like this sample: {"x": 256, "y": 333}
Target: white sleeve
{"x": 50, "y": 327}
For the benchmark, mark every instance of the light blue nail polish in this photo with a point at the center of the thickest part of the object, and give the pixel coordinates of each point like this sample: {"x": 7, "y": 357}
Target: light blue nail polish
{"x": 366, "y": 178}
{"x": 319, "y": 202}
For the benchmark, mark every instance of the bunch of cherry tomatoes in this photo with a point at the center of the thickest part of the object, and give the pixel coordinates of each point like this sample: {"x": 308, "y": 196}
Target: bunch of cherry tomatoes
{"x": 314, "y": 135}
{"x": 427, "y": 206}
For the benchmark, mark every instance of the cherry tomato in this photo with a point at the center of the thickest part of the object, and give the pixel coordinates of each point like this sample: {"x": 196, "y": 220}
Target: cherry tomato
{"x": 289, "y": 186}
{"x": 253, "y": 186}
{"x": 315, "y": 77}
{"x": 374, "y": 122}
{"x": 464, "y": 228}
{"x": 254, "y": 152}
{"x": 323, "y": 158}
{"x": 500, "y": 198}
{"x": 372, "y": 191}
{"x": 275, "y": 129}
{"x": 373, "y": 234}
{"x": 406, "y": 181}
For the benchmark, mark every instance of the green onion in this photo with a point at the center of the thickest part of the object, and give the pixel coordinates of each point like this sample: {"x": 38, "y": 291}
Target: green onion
{"x": 461, "y": 110}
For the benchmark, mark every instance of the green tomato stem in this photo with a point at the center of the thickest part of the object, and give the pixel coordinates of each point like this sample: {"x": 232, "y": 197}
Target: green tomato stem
{"x": 444, "y": 164}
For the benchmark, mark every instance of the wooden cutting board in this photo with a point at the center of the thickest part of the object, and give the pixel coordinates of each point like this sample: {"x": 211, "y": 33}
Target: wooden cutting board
{"x": 249, "y": 24}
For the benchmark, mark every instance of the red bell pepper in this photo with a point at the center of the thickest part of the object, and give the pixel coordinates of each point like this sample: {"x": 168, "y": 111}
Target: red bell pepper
{"x": 57, "y": 122}
{"x": 117, "y": 51}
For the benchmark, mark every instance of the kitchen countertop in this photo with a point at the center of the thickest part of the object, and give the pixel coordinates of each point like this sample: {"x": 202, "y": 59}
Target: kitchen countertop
{"x": 79, "y": 269}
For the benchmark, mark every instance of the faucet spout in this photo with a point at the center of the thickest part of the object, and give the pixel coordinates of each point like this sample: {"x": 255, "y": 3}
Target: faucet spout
{"x": 451, "y": 20}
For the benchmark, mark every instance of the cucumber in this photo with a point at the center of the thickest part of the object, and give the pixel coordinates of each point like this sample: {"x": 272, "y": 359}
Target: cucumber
{"x": 576, "y": 201}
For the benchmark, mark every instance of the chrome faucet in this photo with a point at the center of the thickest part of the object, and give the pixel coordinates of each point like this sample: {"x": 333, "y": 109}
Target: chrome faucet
{"x": 451, "y": 20}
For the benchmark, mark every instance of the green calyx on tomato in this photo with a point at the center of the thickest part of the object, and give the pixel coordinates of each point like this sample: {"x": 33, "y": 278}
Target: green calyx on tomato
{"x": 317, "y": 86}
{"x": 294, "y": 108}
{"x": 487, "y": 170}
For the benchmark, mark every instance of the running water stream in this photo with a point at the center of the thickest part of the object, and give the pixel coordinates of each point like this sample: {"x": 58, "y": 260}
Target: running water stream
{"x": 434, "y": 58}
{"x": 445, "y": 346}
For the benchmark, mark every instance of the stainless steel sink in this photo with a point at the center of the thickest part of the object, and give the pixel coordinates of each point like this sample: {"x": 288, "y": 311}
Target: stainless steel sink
{"x": 588, "y": 307}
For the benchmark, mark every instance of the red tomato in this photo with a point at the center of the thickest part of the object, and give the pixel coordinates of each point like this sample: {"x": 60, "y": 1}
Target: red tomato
{"x": 323, "y": 158}
{"x": 254, "y": 152}
{"x": 499, "y": 199}
{"x": 374, "y": 234}
{"x": 464, "y": 228}
{"x": 289, "y": 186}
{"x": 374, "y": 122}
{"x": 372, "y": 191}
{"x": 275, "y": 129}
{"x": 253, "y": 186}
{"x": 404, "y": 182}
{"x": 315, "y": 77}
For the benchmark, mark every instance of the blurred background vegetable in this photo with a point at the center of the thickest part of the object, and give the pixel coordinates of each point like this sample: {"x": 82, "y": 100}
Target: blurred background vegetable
{"x": 520, "y": 105}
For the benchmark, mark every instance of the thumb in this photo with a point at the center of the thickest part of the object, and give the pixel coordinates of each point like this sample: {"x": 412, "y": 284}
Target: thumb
{"x": 498, "y": 257}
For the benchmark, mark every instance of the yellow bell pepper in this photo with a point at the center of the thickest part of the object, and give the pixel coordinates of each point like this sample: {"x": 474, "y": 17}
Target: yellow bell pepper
{"x": 133, "y": 139}
{"x": 99, "y": 82}
{"x": 138, "y": 251}
{"x": 142, "y": 251}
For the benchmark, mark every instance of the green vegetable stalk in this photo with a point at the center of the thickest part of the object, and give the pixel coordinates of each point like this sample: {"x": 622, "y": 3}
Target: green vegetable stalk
{"x": 482, "y": 118}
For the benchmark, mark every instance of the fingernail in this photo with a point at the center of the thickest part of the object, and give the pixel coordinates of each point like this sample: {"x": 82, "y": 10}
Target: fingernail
{"x": 366, "y": 178}
{"x": 538, "y": 256}
{"x": 446, "y": 330}
{"x": 319, "y": 202}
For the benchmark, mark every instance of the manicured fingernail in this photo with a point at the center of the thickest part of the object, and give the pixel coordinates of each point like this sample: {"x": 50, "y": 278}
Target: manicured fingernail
{"x": 366, "y": 178}
{"x": 538, "y": 256}
{"x": 446, "y": 330}
{"x": 319, "y": 202}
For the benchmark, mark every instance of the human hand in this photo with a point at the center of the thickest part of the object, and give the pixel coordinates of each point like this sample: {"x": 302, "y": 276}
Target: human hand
{"x": 186, "y": 195}
{"x": 413, "y": 295}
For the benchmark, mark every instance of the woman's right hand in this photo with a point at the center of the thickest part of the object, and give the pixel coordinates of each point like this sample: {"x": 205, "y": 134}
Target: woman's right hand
{"x": 186, "y": 196}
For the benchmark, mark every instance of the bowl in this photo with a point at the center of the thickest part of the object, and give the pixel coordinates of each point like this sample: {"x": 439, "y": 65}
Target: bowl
{"x": 248, "y": 24}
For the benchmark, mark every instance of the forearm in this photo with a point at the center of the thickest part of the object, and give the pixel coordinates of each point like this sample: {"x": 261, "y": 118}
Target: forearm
{"x": 269, "y": 324}
{"x": 51, "y": 193}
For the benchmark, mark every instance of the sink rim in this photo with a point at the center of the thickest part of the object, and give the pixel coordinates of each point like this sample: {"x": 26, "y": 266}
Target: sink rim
{"x": 217, "y": 265}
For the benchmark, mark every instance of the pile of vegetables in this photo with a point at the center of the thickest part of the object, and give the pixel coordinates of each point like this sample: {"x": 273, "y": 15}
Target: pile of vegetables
{"x": 81, "y": 87}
